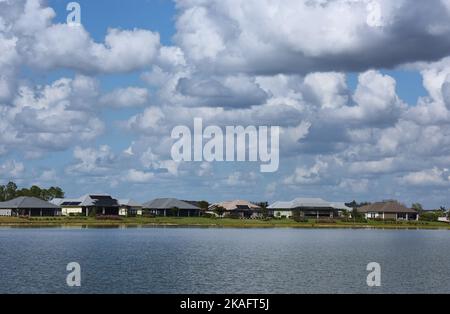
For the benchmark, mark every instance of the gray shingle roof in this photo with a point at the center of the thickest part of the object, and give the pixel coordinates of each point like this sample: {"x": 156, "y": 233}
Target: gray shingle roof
{"x": 129, "y": 202}
{"x": 305, "y": 202}
{"x": 26, "y": 202}
{"x": 301, "y": 202}
{"x": 88, "y": 200}
{"x": 168, "y": 203}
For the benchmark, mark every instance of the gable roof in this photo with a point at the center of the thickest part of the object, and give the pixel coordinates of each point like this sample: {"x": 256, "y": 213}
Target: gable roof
{"x": 129, "y": 202}
{"x": 66, "y": 202}
{"x": 102, "y": 200}
{"x": 168, "y": 203}
{"x": 27, "y": 202}
{"x": 280, "y": 205}
{"x": 341, "y": 205}
{"x": 386, "y": 207}
{"x": 307, "y": 202}
{"x": 304, "y": 202}
{"x": 236, "y": 205}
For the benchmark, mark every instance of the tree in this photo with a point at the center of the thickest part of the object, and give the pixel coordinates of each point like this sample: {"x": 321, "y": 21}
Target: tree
{"x": 2, "y": 193}
{"x": 352, "y": 204}
{"x": 204, "y": 205}
{"x": 346, "y": 214}
{"x": 219, "y": 210}
{"x": 356, "y": 215}
{"x": 175, "y": 211}
{"x": 55, "y": 192}
{"x": 11, "y": 191}
{"x": 297, "y": 216}
{"x": 264, "y": 210}
{"x": 418, "y": 207}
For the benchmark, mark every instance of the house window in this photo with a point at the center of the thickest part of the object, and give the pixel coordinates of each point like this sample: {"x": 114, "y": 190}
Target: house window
{"x": 401, "y": 216}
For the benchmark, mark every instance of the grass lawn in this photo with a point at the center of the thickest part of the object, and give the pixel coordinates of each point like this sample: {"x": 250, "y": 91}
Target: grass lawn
{"x": 210, "y": 222}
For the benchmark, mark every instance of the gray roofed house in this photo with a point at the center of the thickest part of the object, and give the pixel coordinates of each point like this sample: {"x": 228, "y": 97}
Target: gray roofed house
{"x": 130, "y": 208}
{"x": 129, "y": 202}
{"x": 30, "y": 206}
{"x": 100, "y": 204}
{"x": 172, "y": 207}
{"x": 308, "y": 207}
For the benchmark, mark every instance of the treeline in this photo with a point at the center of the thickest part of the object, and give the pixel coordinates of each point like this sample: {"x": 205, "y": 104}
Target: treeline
{"x": 11, "y": 191}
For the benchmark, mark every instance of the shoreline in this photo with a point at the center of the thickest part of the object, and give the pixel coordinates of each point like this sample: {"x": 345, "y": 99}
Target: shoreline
{"x": 199, "y": 222}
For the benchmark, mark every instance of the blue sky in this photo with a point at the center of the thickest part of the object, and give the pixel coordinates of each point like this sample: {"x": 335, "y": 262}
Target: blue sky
{"x": 360, "y": 93}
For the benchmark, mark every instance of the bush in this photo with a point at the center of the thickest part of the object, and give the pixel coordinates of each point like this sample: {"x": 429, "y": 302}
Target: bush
{"x": 297, "y": 216}
{"x": 234, "y": 216}
{"x": 147, "y": 214}
{"x": 429, "y": 216}
{"x": 77, "y": 215}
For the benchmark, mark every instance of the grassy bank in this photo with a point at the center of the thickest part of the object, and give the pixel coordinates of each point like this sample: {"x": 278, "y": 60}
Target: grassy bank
{"x": 209, "y": 222}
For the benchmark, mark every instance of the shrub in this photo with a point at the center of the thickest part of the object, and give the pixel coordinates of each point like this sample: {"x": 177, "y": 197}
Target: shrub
{"x": 297, "y": 216}
{"x": 148, "y": 214}
{"x": 234, "y": 216}
{"x": 429, "y": 216}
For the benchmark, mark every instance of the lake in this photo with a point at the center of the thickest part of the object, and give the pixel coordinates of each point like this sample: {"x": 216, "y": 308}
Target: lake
{"x": 196, "y": 260}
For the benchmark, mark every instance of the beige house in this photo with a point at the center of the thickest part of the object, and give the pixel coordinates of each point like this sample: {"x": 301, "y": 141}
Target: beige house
{"x": 238, "y": 208}
{"x": 388, "y": 210}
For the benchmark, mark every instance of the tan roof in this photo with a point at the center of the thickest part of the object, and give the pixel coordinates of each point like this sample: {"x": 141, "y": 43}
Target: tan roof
{"x": 236, "y": 205}
{"x": 386, "y": 207}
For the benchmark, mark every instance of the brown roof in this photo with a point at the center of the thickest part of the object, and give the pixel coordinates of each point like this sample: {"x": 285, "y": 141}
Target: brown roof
{"x": 386, "y": 207}
{"x": 237, "y": 205}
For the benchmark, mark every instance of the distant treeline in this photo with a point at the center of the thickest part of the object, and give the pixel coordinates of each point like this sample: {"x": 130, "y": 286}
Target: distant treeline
{"x": 11, "y": 191}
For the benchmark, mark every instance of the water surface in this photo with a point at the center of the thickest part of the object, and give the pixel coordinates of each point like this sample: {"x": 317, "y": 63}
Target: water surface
{"x": 196, "y": 260}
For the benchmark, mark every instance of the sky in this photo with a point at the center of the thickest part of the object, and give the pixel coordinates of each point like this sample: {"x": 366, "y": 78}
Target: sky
{"x": 359, "y": 88}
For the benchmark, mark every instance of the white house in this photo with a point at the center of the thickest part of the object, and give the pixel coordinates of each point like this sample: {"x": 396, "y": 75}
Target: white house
{"x": 5, "y": 212}
{"x": 100, "y": 204}
{"x": 128, "y": 207}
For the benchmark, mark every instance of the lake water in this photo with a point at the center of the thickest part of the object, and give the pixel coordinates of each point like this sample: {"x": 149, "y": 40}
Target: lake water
{"x": 193, "y": 260}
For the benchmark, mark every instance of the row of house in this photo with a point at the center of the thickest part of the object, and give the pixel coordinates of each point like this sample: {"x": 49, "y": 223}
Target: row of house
{"x": 106, "y": 205}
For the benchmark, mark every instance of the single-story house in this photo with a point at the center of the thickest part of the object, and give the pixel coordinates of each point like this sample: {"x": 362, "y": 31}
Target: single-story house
{"x": 130, "y": 208}
{"x": 100, "y": 204}
{"x": 171, "y": 207}
{"x": 388, "y": 210}
{"x": 308, "y": 208}
{"x": 29, "y": 206}
{"x": 5, "y": 212}
{"x": 237, "y": 208}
